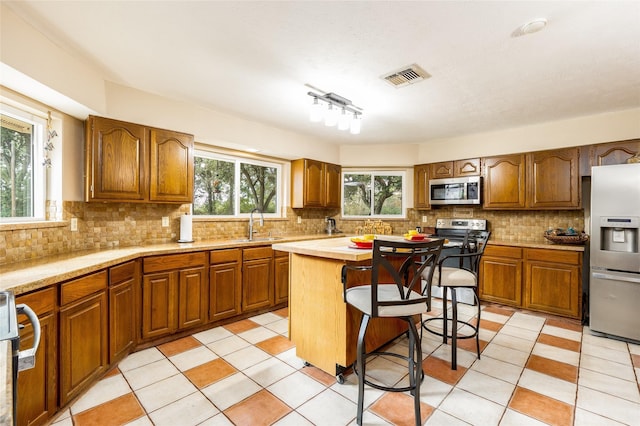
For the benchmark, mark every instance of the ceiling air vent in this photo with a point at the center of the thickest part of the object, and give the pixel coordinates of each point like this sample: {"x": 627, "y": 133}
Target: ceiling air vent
{"x": 405, "y": 76}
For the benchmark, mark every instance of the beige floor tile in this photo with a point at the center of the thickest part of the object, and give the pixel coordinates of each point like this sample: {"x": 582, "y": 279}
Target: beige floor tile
{"x": 138, "y": 359}
{"x": 519, "y": 332}
{"x": 499, "y": 369}
{"x": 488, "y": 387}
{"x": 281, "y": 326}
{"x": 212, "y": 335}
{"x": 230, "y": 390}
{"x": 584, "y": 417}
{"x": 557, "y": 354}
{"x": 246, "y": 357}
{"x": 191, "y": 410}
{"x": 349, "y": 389}
{"x": 547, "y": 385}
{"x": 510, "y": 341}
{"x": 227, "y": 345}
{"x": 513, "y": 418}
{"x": 296, "y": 389}
{"x": 493, "y": 317}
{"x": 505, "y": 354}
{"x": 616, "y": 355}
{"x": 342, "y": 409}
{"x": 608, "y": 406}
{"x": 562, "y": 332}
{"x": 257, "y": 334}
{"x": 192, "y": 358}
{"x": 150, "y": 373}
{"x": 616, "y": 345}
{"x": 103, "y": 391}
{"x": 472, "y": 408}
{"x": 266, "y": 318}
{"x": 610, "y": 385}
{"x": 440, "y": 418}
{"x": 164, "y": 392}
{"x": 217, "y": 420}
{"x": 269, "y": 371}
{"x": 605, "y": 366}
{"x": 293, "y": 419}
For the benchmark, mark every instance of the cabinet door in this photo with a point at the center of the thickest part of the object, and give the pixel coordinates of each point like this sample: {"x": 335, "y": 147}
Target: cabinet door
{"x": 83, "y": 344}
{"x": 192, "y": 297}
{"x": 501, "y": 276}
{"x": 115, "y": 161}
{"x": 333, "y": 185}
{"x": 171, "y": 166}
{"x": 38, "y": 383}
{"x": 554, "y": 179}
{"x": 421, "y": 186}
{"x": 441, "y": 170}
{"x": 281, "y": 277}
{"x": 468, "y": 167}
{"x": 257, "y": 284}
{"x": 314, "y": 185}
{"x": 159, "y": 316}
{"x": 504, "y": 182}
{"x": 615, "y": 152}
{"x": 225, "y": 286}
{"x": 122, "y": 324}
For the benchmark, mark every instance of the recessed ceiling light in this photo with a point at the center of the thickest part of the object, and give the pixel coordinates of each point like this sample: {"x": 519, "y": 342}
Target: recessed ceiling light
{"x": 530, "y": 27}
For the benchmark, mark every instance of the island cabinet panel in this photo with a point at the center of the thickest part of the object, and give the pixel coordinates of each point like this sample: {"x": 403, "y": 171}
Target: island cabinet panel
{"x": 123, "y": 282}
{"x": 257, "y": 278}
{"x": 174, "y": 293}
{"x": 315, "y": 184}
{"x": 504, "y": 182}
{"x": 554, "y": 179}
{"x": 225, "y": 284}
{"x": 84, "y": 332}
{"x": 501, "y": 275}
{"x": 421, "y": 186}
{"x": 40, "y": 382}
{"x": 553, "y": 282}
{"x": 128, "y": 162}
{"x": 281, "y": 277}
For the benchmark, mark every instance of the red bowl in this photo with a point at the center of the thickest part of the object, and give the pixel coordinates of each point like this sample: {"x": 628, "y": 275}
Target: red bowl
{"x": 363, "y": 244}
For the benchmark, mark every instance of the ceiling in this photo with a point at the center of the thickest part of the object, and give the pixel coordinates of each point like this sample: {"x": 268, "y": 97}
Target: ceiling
{"x": 257, "y": 59}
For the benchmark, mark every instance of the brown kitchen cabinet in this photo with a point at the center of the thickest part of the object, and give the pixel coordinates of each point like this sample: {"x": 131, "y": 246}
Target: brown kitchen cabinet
{"x": 128, "y": 162}
{"x": 553, "y": 282}
{"x": 174, "y": 293}
{"x": 123, "y": 282}
{"x": 421, "y": 187}
{"x": 315, "y": 184}
{"x": 536, "y": 180}
{"x": 257, "y": 278}
{"x": 606, "y": 154}
{"x": 457, "y": 168}
{"x": 83, "y": 333}
{"x": 225, "y": 283}
{"x": 501, "y": 275}
{"x": 40, "y": 382}
{"x": 281, "y": 277}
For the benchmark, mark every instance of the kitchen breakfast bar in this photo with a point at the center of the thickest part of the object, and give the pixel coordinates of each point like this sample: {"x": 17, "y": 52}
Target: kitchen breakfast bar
{"x": 321, "y": 325}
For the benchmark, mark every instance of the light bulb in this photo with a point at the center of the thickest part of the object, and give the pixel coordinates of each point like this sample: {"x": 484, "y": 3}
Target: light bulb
{"x": 344, "y": 120}
{"x": 331, "y": 117}
{"x": 355, "y": 124}
{"x": 315, "y": 113}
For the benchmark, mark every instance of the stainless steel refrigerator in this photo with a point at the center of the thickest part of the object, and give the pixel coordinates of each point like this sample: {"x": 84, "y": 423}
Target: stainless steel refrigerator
{"x": 614, "y": 303}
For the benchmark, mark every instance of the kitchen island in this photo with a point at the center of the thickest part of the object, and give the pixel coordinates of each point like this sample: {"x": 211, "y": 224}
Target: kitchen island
{"x": 322, "y": 326}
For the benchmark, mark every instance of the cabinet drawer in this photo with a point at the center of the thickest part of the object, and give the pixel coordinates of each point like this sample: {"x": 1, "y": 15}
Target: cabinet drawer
{"x": 257, "y": 253}
{"x": 555, "y": 256}
{"x": 503, "y": 251}
{"x": 278, "y": 253}
{"x": 121, "y": 273}
{"x": 41, "y": 302}
{"x": 225, "y": 256}
{"x": 77, "y": 289}
{"x": 173, "y": 261}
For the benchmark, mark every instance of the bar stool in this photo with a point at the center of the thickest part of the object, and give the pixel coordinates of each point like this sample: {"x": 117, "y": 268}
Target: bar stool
{"x": 398, "y": 269}
{"x": 452, "y": 278}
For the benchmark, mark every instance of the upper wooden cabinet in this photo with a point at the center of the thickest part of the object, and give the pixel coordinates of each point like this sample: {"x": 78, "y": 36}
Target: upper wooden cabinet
{"x": 130, "y": 162}
{"x": 315, "y": 184}
{"x": 536, "y": 180}
{"x": 457, "y": 168}
{"x": 606, "y": 154}
{"x": 421, "y": 186}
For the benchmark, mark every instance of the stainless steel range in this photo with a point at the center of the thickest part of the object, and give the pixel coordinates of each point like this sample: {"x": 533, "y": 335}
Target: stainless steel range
{"x": 455, "y": 230}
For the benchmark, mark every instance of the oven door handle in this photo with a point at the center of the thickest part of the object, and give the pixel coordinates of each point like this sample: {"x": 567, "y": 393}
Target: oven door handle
{"x": 27, "y": 357}
{"x": 616, "y": 277}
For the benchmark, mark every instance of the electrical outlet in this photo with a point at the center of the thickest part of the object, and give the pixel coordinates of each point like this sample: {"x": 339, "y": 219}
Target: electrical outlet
{"x": 165, "y": 221}
{"x": 74, "y": 224}
{"x": 299, "y": 219}
{"x": 424, "y": 219}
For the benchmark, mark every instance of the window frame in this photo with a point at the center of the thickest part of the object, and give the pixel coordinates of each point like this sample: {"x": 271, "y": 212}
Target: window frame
{"x": 239, "y": 159}
{"x": 38, "y": 172}
{"x": 373, "y": 173}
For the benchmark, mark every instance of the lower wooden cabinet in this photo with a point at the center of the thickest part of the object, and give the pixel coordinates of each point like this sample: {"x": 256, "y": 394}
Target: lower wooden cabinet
{"x": 225, "y": 284}
{"x": 123, "y": 281}
{"x": 38, "y": 386}
{"x": 174, "y": 293}
{"x": 544, "y": 280}
{"x": 257, "y": 278}
{"x": 281, "y": 277}
{"x": 83, "y": 340}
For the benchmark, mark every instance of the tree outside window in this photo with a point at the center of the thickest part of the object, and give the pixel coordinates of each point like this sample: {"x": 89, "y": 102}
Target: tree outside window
{"x": 373, "y": 194}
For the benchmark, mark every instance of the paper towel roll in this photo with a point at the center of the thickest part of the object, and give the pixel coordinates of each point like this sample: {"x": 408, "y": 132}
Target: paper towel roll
{"x": 185, "y": 229}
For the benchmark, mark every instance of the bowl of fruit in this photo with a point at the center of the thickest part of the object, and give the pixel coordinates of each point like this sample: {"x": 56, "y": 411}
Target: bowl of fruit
{"x": 363, "y": 242}
{"x": 413, "y": 235}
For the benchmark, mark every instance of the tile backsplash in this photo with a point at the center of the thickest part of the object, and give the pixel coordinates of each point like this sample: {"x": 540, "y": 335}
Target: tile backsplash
{"x": 114, "y": 225}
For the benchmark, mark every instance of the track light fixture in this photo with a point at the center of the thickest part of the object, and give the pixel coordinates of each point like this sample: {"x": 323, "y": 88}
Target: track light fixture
{"x": 335, "y": 110}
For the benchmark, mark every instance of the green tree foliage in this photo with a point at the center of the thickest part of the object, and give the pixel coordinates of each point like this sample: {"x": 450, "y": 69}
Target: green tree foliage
{"x": 257, "y": 188}
{"x": 15, "y": 173}
{"x": 387, "y": 194}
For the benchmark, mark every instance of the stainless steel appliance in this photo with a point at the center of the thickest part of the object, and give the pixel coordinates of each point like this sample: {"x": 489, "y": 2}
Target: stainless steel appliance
{"x": 455, "y": 230}
{"x": 459, "y": 190}
{"x": 614, "y": 290}
{"x": 12, "y": 359}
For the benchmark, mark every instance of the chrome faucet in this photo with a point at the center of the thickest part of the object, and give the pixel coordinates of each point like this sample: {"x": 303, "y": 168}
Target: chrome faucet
{"x": 251, "y": 231}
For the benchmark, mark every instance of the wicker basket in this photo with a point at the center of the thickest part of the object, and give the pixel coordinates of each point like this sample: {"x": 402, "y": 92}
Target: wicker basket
{"x": 580, "y": 238}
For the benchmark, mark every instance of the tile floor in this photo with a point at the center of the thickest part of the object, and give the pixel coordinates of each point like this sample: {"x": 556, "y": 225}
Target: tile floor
{"x": 534, "y": 370}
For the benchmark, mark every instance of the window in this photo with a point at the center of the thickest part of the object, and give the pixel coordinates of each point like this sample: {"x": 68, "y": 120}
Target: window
{"x": 373, "y": 194}
{"x": 228, "y": 186}
{"x": 22, "y": 184}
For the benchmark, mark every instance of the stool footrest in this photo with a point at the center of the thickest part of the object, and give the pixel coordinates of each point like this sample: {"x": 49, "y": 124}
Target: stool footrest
{"x": 450, "y": 336}
{"x": 381, "y": 387}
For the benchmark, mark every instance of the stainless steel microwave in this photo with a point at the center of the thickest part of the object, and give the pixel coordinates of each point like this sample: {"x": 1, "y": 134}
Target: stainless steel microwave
{"x": 459, "y": 190}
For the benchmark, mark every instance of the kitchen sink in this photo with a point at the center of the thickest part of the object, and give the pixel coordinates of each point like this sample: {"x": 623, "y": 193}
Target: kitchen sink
{"x": 258, "y": 239}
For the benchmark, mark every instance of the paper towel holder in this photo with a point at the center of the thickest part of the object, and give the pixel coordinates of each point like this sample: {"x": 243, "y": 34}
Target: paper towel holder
{"x": 185, "y": 229}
